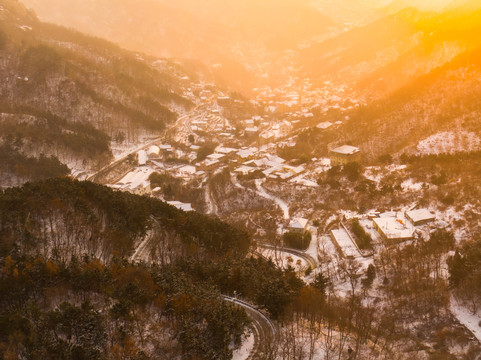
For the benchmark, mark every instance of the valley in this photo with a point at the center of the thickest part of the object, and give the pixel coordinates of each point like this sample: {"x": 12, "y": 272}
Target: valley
{"x": 219, "y": 186}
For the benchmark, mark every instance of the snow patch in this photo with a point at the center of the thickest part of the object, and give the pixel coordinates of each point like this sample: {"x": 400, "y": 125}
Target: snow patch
{"x": 449, "y": 142}
{"x": 466, "y": 317}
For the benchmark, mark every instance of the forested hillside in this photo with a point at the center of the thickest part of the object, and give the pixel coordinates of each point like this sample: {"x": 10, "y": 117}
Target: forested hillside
{"x": 68, "y": 289}
{"x": 68, "y": 95}
{"x": 447, "y": 99}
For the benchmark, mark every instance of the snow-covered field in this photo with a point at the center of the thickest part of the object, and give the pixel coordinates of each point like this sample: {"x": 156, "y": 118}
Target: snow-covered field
{"x": 449, "y": 142}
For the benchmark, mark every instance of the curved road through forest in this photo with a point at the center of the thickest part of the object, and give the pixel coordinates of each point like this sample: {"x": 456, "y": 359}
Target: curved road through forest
{"x": 306, "y": 257}
{"x": 265, "y": 332}
{"x": 282, "y": 204}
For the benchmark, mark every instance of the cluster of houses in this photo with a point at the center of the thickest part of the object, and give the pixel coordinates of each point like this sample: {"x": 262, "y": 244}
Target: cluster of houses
{"x": 249, "y": 159}
{"x": 391, "y": 227}
{"x": 271, "y": 166}
{"x": 295, "y": 98}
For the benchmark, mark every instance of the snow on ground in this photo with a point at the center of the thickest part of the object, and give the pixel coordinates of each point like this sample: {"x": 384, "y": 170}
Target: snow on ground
{"x": 245, "y": 350}
{"x": 300, "y": 180}
{"x": 283, "y": 259}
{"x": 396, "y": 168}
{"x": 282, "y": 204}
{"x": 451, "y": 216}
{"x": 449, "y": 142}
{"x": 410, "y": 185}
{"x": 466, "y": 317}
{"x": 373, "y": 173}
{"x": 312, "y": 250}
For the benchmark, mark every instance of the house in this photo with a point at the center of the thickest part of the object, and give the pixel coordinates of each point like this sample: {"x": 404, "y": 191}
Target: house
{"x": 153, "y": 152}
{"x": 245, "y": 170}
{"x": 297, "y": 170}
{"x": 245, "y": 153}
{"x": 298, "y": 225}
{"x": 166, "y": 147}
{"x": 344, "y": 154}
{"x": 324, "y": 125}
{"x": 216, "y": 156}
{"x": 225, "y": 150}
{"x": 136, "y": 182}
{"x": 142, "y": 157}
{"x": 187, "y": 171}
{"x": 210, "y": 164}
{"x": 344, "y": 243}
{"x": 251, "y": 131}
{"x": 181, "y": 206}
{"x": 420, "y": 217}
{"x": 393, "y": 229}
{"x": 224, "y": 101}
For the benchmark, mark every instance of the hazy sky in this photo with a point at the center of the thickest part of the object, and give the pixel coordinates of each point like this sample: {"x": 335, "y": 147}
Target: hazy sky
{"x": 421, "y": 4}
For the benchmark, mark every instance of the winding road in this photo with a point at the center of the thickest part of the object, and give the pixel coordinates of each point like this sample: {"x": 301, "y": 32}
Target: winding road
{"x": 306, "y": 257}
{"x": 265, "y": 331}
{"x": 282, "y": 204}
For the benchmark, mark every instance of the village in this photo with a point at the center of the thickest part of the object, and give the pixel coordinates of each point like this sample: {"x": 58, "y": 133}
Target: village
{"x": 252, "y": 156}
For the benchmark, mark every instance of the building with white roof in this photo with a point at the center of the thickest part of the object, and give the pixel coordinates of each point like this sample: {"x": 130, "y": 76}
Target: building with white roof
{"x": 165, "y": 147}
{"x": 187, "y": 170}
{"x": 181, "y": 206}
{"x": 420, "y": 217}
{"x": 137, "y": 182}
{"x": 298, "y": 224}
{"x": 153, "y": 152}
{"x": 244, "y": 170}
{"x": 345, "y": 154}
{"x": 247, "y": 152}
{"x": 225, "y": 150}
{"x": 216, "y": 156}
{"x": 343, "y": 241}
{"x": 393, "y": 229}
{"x": 324, "y": 125}
{"x": 254, "y": 130}
{"x": 142, "y": 157}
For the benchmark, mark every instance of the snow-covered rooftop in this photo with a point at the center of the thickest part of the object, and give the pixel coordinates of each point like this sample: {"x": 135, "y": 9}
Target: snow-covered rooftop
{"x": 324, "y": 125}
{"x": 346, "y": 150}
{"x": 345, "y": 243}
{"x": 142, "y": 157}
{"x": 216, "y": 156}
{"x": 394, "y": 228}
{"x": 298, "y": 223}
{"x": 420, "y": 215}
{"x": 181, "y": 206}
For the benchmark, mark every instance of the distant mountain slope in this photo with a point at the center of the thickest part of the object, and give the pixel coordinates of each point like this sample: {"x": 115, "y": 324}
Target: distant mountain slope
{"x": 446, "y": 99}
{"x": 385, "y": 55}
{"x": 442, "y": 38}
{"x": 67, "y": 85}
{"x": 360, "y": 50}
{"x": 241, "y": 37}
